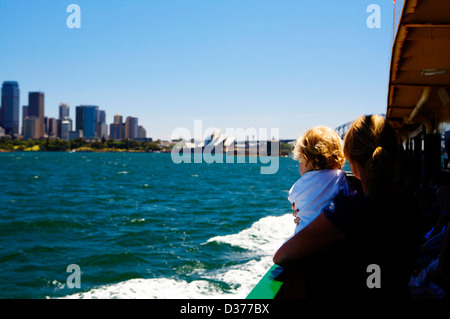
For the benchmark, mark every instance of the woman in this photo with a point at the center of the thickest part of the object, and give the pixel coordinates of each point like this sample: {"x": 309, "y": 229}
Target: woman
{"x": 379, "y": 227}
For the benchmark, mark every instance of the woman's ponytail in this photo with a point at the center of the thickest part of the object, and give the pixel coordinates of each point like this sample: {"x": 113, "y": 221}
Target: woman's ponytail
{"x": 372, "y": 142}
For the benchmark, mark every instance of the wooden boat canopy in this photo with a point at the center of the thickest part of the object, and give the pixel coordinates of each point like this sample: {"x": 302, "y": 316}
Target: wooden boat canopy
{"x": 419, "y": 79}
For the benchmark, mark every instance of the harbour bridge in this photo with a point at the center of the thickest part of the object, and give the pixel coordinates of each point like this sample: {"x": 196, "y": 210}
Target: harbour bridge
{"x": 342, "y": 129}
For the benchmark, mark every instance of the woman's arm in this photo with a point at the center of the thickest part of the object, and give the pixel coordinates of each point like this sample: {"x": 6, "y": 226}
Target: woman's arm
{"x": 319, "y": 234}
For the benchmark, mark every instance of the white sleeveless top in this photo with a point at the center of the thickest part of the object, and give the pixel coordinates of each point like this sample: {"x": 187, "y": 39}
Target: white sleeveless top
{"x": 314, "y": 191}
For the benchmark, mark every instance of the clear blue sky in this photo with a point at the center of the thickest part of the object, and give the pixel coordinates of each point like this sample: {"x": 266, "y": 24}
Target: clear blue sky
{"x": 287, "y": 64}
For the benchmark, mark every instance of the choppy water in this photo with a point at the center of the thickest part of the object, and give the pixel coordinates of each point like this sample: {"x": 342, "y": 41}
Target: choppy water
{"x": 138, "y": 225}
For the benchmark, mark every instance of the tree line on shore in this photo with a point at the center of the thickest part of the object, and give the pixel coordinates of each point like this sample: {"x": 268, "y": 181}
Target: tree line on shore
{"x": 79, "y": 144}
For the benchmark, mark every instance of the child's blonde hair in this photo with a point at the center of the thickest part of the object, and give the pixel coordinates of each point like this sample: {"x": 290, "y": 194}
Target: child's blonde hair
{"x": 321, "y": 146}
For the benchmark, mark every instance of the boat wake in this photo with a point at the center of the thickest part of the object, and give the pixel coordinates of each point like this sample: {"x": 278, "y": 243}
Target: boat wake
{"x": 263, "y": 238}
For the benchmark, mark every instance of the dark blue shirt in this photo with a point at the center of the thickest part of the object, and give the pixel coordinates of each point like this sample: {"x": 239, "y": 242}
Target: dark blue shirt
{"x": 383, "y": 233}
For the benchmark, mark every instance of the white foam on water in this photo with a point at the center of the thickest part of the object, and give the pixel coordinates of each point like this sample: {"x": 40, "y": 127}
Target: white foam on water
{"x": 156, "y": 288}
{"x": 264, "y": 237}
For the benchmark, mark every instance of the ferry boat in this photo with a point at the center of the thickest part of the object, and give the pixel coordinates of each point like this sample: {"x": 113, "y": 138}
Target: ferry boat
{"x": 418, "y": 104}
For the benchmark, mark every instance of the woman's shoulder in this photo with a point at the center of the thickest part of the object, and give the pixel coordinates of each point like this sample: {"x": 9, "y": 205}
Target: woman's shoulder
{"x": 343, "y": 210}
{"x": 347, "y": 199}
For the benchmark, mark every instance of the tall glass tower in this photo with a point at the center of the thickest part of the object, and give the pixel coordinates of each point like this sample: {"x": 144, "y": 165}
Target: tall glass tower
{"x": 9, "y": 117}
{"x": 86, "y": 120}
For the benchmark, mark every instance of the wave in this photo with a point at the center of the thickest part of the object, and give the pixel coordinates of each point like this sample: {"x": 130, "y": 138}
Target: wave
{"x": 265, "y": 235}
{"x": 263, "y": 238}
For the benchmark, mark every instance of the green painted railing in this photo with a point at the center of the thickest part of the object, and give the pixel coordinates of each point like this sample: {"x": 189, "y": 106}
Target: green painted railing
{"x": 268, "y": 286}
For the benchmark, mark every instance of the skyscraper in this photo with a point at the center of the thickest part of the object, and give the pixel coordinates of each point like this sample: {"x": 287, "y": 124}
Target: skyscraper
{"x": 131, "y": 127}
{"x": 118, "y": 119}
{"x": 79, "y": 118}
{"x": 36, "y": 109}
{"x": 30, "y": 127}
{"x": 101, "y": 117}
{"x": 24, "y": 115}
{"x": 141, "y": 132}
{"x": 63, "y": 111}
{"x": 9, "y": 117}
{"x": 117, "y": 129}
{"x": 66, "y": 127}
{"x": 102, "y": 128}
{"x": 86, "y": 120}
{"x": 64, "y": 116}
{"x": 54, "y": 127}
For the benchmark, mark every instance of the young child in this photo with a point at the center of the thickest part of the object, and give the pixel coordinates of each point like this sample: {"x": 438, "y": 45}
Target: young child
{"x": 321, "y": 157}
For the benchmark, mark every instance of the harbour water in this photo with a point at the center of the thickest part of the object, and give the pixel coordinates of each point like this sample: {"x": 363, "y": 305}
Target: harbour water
{"x": 138, "y": 225}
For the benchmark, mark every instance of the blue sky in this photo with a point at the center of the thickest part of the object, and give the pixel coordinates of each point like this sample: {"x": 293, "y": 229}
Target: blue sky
{"x": 287, "y": 64}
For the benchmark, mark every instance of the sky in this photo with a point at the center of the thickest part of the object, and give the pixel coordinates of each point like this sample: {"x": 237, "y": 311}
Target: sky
{"x": 263, "y": 64}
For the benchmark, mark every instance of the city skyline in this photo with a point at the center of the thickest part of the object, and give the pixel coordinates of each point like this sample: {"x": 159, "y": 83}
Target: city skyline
{"x": 35, "y": 125}
{"x": 263, "y": 64}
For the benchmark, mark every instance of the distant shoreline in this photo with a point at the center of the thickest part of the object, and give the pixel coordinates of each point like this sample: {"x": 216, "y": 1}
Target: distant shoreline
{"x": 113, "y": 151}
{"x": 111, "y": 146}
{"x": 82, "y": 151}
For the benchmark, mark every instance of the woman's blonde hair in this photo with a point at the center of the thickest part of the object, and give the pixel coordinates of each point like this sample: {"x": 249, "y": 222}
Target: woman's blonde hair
{"x": 321, "y": 146}
{"x": 372, "y": 142}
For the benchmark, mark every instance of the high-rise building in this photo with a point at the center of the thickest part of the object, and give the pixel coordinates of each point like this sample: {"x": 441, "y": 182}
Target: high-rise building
{"x": 102, "y": 128}
{"x": 117, "y": 129}
{"x": 86, "y": 120}
{"x": 90, "y": 122}
{"x": 64, "y": 115}
{"x": 79, "y": 118}
{"x": 63, "y": 111}
{"x": 66, "y": 127}
{"x": 9, "y": 117}
{"x": 141, "y": 132}
{"x": 131, "y": 127}
{"x": 118, "y": 119}
{"x": 30, "y": 127}
{"x": 101, "y": 116}
{"x": 46, "y": 125}
{"x": 75, "y": 134}
{"x": 54, "y": 127}
{"x": 24, "y": 115}
{"x": 36, "y": 109}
